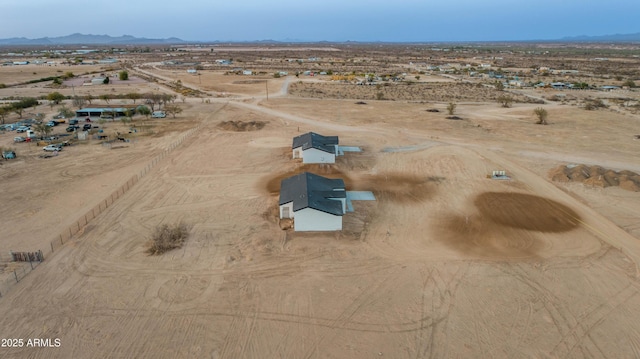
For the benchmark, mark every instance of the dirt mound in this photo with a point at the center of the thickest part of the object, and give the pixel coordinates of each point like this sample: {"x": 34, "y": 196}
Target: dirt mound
{"x": 272, "y": 183}
{"x": 525, "y": 211}
{"x": 596, "y": 176}
{"x": 241, "y": 126}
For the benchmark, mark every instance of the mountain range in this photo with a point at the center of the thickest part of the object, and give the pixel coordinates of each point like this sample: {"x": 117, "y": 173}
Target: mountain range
{"x": 88, "y": 39}
{"x": 82, "y": 39}
{"x": 604, "y": 38}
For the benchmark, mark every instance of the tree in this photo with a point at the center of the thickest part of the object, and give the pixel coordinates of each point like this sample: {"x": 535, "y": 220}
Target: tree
{"x": 40, "y": 117}
{"x": 79, "y": 102}
{"x": 106, "y": 80}
{"x": 4, "y": 111}
{"x": 173, "y": 110}
{"x": 499, "y": 86}
{"x": 123, "y": 75}
{"x": 106, "y": 97}
{"x": 153, "y": 99}
{"x": 42, "y": 129}
{"x": 505, "y": 101}
{"x": 629, "y": 83}
{"x": 125, "y": 120}
{"x": 66, "y": 113}
{"x": 134, "y": 96}
{"x": 89, "y": 98}
{"x": 541, "y": 114}
{"x": 55, "y": 97}
{"x": 144, "y": 110}
{"x": 451, "y": 108}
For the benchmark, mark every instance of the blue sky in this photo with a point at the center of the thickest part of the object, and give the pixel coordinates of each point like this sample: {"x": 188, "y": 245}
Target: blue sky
{"x": 313, "y": 20}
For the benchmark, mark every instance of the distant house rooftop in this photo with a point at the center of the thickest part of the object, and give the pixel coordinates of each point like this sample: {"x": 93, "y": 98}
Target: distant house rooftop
{"x": 314, "y": 140}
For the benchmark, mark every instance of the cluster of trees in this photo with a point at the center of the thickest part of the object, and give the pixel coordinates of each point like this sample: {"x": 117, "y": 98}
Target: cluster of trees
{"x": 17, "y": 107}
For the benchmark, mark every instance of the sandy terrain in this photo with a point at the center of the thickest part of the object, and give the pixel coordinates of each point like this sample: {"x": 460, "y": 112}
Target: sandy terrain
{"x": 446, "y": 263}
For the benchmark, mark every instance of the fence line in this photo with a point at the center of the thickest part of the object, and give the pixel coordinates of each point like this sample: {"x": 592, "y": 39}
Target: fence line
{"x": 20, "y": 268}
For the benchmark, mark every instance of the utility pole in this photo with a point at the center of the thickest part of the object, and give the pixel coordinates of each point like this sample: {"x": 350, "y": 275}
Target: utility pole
{"x": 266, "y": 82}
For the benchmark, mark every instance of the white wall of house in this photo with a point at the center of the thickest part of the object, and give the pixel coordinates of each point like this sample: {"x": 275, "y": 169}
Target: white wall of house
{"x": 309, "y": 219}
{"x": 286, "y": 210}
{"x": 312, "y": 155}
{"x": 297, "y": 152}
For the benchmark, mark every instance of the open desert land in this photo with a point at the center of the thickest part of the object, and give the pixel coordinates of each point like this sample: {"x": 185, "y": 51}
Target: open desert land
{"x": 446, "y": 263}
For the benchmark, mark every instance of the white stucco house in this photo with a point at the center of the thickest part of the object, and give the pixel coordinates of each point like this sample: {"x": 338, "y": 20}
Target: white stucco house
{"x": 314, "y": 148}
{"x": 315, "y": 203}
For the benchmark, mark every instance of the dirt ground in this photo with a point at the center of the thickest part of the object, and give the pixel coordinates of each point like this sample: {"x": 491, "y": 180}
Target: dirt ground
{"x": 446, "y": 263}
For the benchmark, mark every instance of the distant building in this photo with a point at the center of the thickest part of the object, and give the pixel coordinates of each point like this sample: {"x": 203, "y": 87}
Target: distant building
{"x": 314, "y": 148}
{"x": 315, "y": 203}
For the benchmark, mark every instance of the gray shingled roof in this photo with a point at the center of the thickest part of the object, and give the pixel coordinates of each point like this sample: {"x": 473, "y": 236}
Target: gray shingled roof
{"x": 312, "y": 139}
{"x": 310, "y": 190}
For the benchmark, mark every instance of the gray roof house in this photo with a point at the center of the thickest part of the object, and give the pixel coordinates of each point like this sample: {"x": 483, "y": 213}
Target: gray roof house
{"x": 315, "y": 148}
{"x": 315, "y": 203}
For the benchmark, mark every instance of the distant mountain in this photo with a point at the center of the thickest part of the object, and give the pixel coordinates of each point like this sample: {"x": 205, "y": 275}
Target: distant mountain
{"x": 82, "y": 39}
{"x": 605, "y": 38}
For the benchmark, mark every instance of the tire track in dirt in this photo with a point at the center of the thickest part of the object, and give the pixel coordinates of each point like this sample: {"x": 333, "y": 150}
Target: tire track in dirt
{"x": 365, "y": 297}
{"x": 242, "y": 327}
{"x": 588, "y": 321}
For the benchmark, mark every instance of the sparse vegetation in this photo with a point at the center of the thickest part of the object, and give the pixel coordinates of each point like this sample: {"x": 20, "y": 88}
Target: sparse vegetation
{"x": 505, "y": 101}
{"x": 542, "y": 115}
{"x": 123, "y": 75}
{"x": 66, "y": 112}
{"x": 42, "y": 129}
{"x": 591, "y": 104}
{"x": 173, "y": 109}
{"x": 451, "y": 108}
{"x": 166, "y": 238}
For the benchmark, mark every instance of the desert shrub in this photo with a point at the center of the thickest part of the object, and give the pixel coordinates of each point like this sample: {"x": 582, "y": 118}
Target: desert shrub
{"x": 542, "y": 115}
{"x": 451, "y": 108}
{"x": 166, "y": 238}
{"x": 505, "y": 101}
{"x": 593, "y": 104}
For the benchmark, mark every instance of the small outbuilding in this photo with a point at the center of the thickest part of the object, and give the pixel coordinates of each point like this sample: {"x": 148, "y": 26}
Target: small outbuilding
{"x": 314, "y": 148}
{"x": 315, "y": 203}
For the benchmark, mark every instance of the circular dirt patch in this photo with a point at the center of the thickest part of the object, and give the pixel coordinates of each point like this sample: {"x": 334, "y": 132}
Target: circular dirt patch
{"x": 525, "y": 211}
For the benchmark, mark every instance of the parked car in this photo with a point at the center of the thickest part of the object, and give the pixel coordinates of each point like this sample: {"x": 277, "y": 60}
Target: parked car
{"x": 51, "y": 123}
{"x": 72, "y": 128}
{"x": 22, "y": 129}
{"x": 8, "y": 155}
{"x": 158, "y": 114}
{"x": 51, "y": 148}
{"x": 86, "y": 127}
{"x": 19, "y": 139}
{"x": 73, "y": 121}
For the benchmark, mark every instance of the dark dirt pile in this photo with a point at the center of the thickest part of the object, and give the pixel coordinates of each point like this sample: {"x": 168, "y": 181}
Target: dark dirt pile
{"x": 240, "y": 126}
{"x": 525, "y": 211}
{"x": 596, "y": 176}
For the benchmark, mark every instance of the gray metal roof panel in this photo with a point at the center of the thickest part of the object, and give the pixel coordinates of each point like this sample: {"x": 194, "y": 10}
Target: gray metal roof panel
{"x": 310, "y": 190}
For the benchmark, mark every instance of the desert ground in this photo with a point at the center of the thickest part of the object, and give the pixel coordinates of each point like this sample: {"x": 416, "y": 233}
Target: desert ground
{"x": 446, "y": 263}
